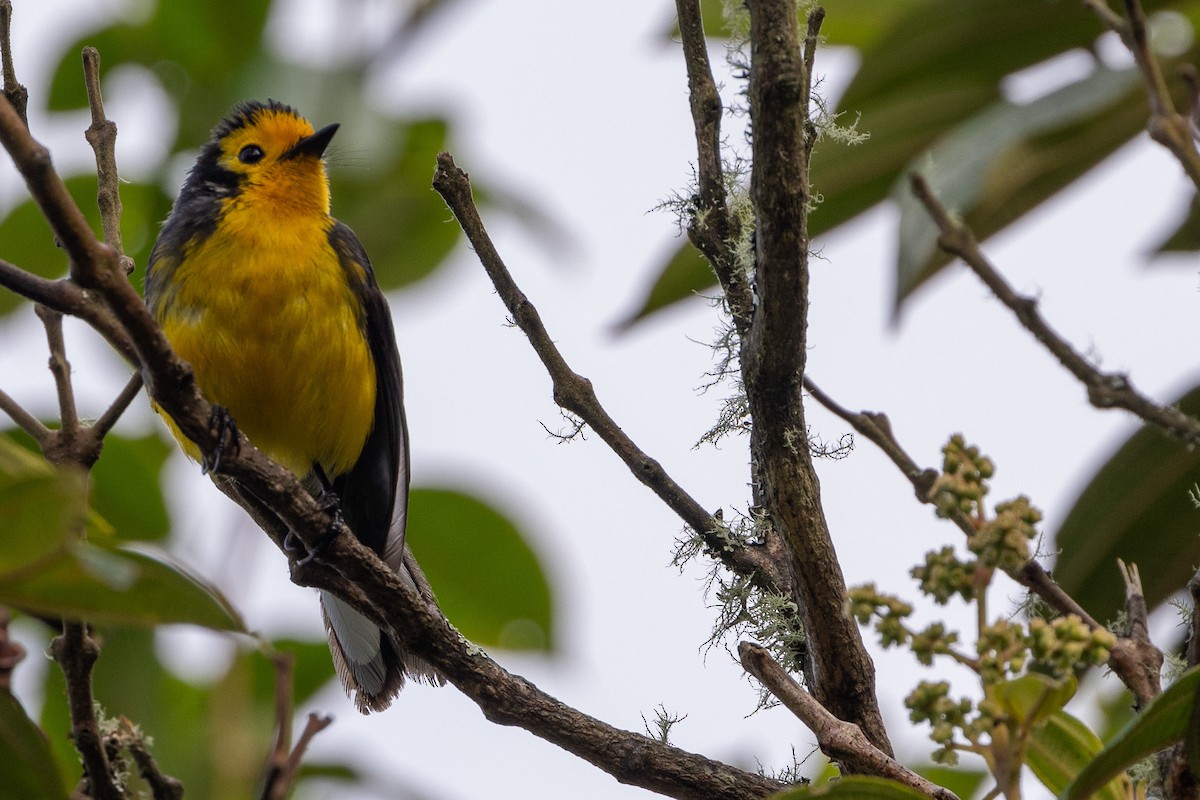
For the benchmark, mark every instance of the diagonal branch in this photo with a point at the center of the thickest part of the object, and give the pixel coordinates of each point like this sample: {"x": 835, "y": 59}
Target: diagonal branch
{"x": 574, "y": 393}
{"x": 841, "y": 741}
{"x": 1105, "y": 389}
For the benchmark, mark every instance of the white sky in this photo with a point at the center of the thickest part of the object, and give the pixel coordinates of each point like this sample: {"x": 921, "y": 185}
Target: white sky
{"x": 584, "y": 109}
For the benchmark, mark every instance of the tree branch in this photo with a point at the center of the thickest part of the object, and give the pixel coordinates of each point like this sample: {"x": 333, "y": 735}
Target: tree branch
{"x": 14, "y": 92}
{"x": 840, "y": 673}
{"x": 575, "y": 393}
{"x": 841, "y": 741}
{"x": 1166, "y": 126}
{"x": 1105, "y": 390}
{"x": 711, "y": 227}
{"x": 76, "y": 653}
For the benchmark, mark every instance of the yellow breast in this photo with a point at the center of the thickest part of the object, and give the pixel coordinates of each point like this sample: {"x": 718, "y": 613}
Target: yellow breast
{"x": 268, "y": 321}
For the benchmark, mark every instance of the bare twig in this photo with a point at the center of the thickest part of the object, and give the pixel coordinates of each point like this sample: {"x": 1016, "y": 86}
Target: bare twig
{"x": 162, "y": 786}
{"x": 277, "y": 782}
{"x": 102, "y": 136}
{"x": 841, "y": 741}
{"x": 711, "y": 227}
{"x": 133, "y": 387}
{"x": 1166, "y": 126}
{"x": 24, "y": 420}
{"x": 14, "y": 92}
{"x": 60, "y": 368}
{"x": 76, "y": 653}
{"x": 283, "y": 780}
{"x": 1140, "y": 661}
{"x": 575, "y": 394}
{"x": 1105, "y": 390}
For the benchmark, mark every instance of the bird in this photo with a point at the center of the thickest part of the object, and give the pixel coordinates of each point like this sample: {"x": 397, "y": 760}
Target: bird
{"x": 275, "y": 305}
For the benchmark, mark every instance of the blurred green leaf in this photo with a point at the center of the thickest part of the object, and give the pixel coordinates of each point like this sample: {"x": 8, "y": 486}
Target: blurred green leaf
{"x": 1060, "y": 748}
{"x": 26, "y": 760}
{"x": 685, "y": 274}
{"x": 126, "y": 583}
{"x": 1033, "y": 697}
{"x": 127, "y": 486}
{"x": 1164, "y": 721}
{"x": 1010, "y": 158}
{"x": 41, "y": 507}
{"x": 486, "y": 577}
{"x": 963, "y": 781}
{"x": 312, "y": 668}
{"x": 1135, "y": 508}
{"x": 393, "y": 210}
{"x": 853, "y": 787}
{"x": 1185, "y": 238}
{"x": 29, "y": 243}
{"x": 194, "y": 49}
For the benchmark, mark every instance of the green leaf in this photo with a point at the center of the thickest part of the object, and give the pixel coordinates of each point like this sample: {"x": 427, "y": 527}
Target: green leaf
{"x": 127, "y": 486}
{"x": 1009, "y": 158}
{"x": 26, "y": 760}
{"x": 855, "y": 787}
{"x": 1060, "y": 748}
{"x": 391, "y": 208}
{"x": 1164, "y": 721}
{"x": 1186, "y": 238}
{"x": 312, "y": 668}
{"x": 1033, "y": 697}
{"x": 486, "y": 577}
{"x": 1135, "y": 508}
{"x": 130, "y": 584}
{"x": 686, "y": 274}
{"x": 41, "y": 506}
{"x": 29, "y": 243}
{"x": 960, "y": 780}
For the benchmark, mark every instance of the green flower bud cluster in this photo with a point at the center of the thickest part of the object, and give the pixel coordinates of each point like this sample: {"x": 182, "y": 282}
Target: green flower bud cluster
{"x": 931, "y": 702}
{"x": 1002, "y": 651}
{"x": 1066, "y": 644}
{"x": 1004, "y": 541}
{"x": 961, "y": 485}
{"x": 864, "y": 602}
{"x": 943, "y": 576}
{"x": 932, "y": 641}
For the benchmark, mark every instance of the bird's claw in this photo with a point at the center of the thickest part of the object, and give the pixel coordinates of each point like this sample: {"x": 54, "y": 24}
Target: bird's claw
{"x": 222, "y": 426}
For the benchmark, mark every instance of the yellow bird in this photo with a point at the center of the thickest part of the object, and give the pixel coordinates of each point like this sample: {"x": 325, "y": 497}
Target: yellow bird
{"x": 274, "y": 304}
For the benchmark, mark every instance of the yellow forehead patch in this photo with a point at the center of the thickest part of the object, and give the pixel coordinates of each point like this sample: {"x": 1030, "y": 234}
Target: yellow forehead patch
{"x": 275, "y": 131}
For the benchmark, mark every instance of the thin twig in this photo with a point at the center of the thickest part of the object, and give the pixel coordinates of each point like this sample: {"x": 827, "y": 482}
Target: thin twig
{"x": 131, "y": 390}
{"x": 711, "y": 227}
{"x": 575, "y": 394}
{"x": 277, "y": 763}
{"x": 102, "y": 136}
{"x": 60, "y": 368}
{"x": 76, "y": 653}
{"x": 841, "y": 741}
{"x": 14, "y": 92}
{"x": 290, "y": 767}
{"x": 162, "y": 786}
{"x": 1166, "y": 126}
{"x": 1105, "y": 390}
{"x": 24, "y": 420}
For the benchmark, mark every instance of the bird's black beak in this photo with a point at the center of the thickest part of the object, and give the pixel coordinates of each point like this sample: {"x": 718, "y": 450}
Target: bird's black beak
{"x": 313, "y": 145}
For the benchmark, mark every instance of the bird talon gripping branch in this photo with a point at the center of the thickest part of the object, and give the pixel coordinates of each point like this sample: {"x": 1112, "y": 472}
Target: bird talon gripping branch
{"x": 222, "y": 426}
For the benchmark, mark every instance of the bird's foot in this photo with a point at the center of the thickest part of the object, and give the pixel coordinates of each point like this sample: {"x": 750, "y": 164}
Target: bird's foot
{"x": 222, "y": 426}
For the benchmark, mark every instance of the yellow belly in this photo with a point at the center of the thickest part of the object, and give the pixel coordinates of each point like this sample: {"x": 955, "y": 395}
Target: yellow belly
{"x": 274, "y": 336}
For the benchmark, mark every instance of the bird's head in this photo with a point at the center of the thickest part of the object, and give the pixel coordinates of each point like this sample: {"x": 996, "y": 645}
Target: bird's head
{"x": 266, "y": 153}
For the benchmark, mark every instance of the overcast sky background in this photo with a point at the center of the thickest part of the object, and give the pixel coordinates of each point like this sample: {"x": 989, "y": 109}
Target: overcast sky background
{"x": 583, "y": 108}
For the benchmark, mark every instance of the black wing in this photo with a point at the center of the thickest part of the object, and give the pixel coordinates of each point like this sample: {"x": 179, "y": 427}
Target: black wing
{"x": 374, "y": 493}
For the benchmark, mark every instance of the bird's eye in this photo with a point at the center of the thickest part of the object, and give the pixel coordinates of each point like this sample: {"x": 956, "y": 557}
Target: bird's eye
{"x": 250, "y": 154}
